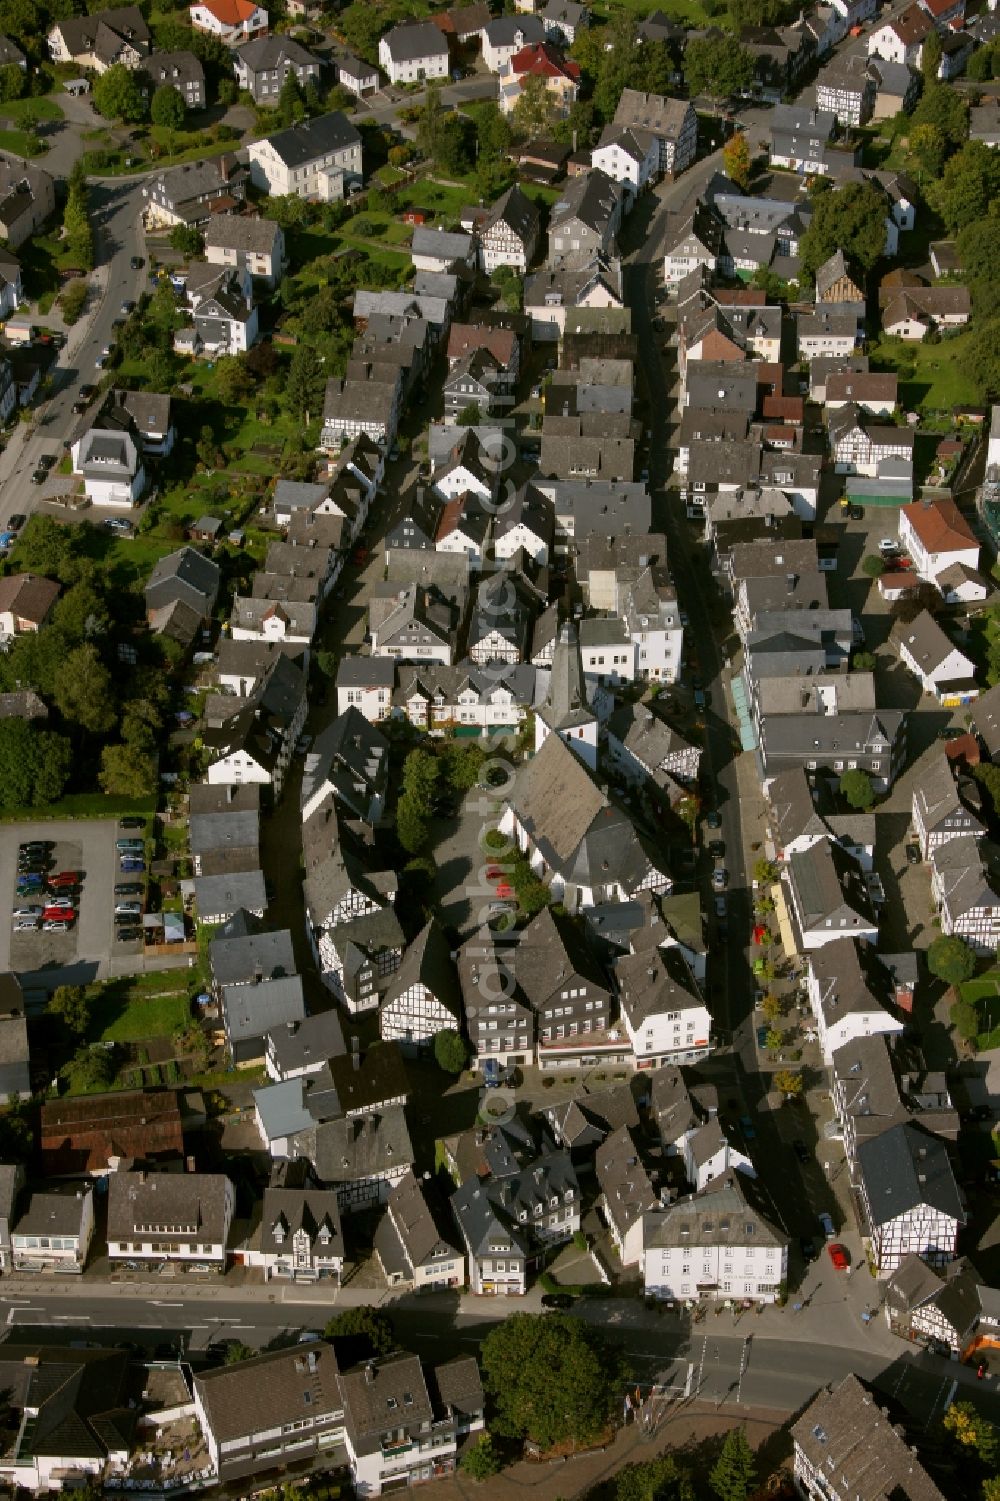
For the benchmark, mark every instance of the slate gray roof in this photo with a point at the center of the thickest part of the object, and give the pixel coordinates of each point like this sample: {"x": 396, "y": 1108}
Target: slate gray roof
{"x": 440, "y": 243}
{"x": 362, "y": 1147}
{"x": 307, "y": 140}
{"x": 186, "y": 573}
{"x": 53, "y": 1210}
{"x": 651, "y": 984}
{"x": 846, "y": 1431}
{"x": 293, "y": 1209}
{"x": 828, "y": 883}
{"x": 594, "y": 199}
{"x": 302, "y": 1043}
{"x": 189, "y": 1206}
{"x": 240, "y": 950}
{"x": 428, "y": 961}
{"x": 281, "y": 1387}
{"x": 249, "y": 1011}
{"x": 411, "y": 41}
{"x": 623, "y": 1181}
{"x": 725, "y": 1212}
{"x": 218, "y": 896}
{"x": 245, "y": 232}
{"x": 408, "y": 1225}
{"x": 514, "y": 210}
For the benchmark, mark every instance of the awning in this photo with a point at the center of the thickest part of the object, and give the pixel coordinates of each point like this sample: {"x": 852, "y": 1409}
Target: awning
{"x": 748, "y": 732}
{"x": 784, "y": 921}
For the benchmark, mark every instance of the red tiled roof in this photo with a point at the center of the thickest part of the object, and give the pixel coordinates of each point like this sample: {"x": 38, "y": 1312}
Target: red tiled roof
{"x": 544, "y": 61}
{"x": 465, "y": 337}
{"x": 80, "y": 1135}
{"x": 230, "y": 12}
{"x": 783, "y": 408}
{"x": 940, "y": 526}
{"x": 450, "y": 518}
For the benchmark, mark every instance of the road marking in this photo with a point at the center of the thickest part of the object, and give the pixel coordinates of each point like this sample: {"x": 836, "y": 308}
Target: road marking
{"x": 948, "y": 1400}
{"x": 71, "y": 1318}
{"x": 690, "y": 1377}
{"x": 701, "y": 1367}
{"x": 744, "y": 1360}
{"x": 158, "y": 1303}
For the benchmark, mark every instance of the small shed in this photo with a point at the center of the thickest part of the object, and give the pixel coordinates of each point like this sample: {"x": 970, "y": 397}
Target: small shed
{"x": 205, "y": 529}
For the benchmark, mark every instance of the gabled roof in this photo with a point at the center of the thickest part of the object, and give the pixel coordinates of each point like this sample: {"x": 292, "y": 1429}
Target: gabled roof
{"x": 308, "y": 140}
{"x": 846, "y": 1432}
{"x": 905, "y": 1169}
{"x": 428, "y": 962}
{"x": 940, "y": 526}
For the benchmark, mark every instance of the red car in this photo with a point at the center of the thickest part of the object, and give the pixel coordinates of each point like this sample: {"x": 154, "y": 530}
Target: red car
{"x": 65, "y": 914}
{"x": 494, "y": 873}
{"x": 504, "y": 890}
{"x": 65, "y": 878}
{"x": 838, "y": 1255}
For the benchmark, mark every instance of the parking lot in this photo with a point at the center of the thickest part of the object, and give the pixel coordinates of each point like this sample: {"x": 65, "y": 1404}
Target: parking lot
{"x": 84, "y": 846}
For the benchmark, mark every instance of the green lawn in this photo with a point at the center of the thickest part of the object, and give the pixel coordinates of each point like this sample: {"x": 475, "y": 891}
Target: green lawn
{"x": 118, "y": 1016}
{"x": 43, "y": 108}
{"x": 984, "y": 993}
{"x": 931, "y": 376}
{"x": 19, "y": 142}
{"x": 684, "y": 12}
{"x": 82, "y": 805}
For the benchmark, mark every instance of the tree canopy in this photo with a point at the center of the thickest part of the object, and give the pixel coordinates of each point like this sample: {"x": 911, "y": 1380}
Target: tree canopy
{"x": 118, "y": 95}
{"x": 946, "y": 108}
{"x": 167, "y": 107}
{"x": 364, "y": 1323}
{"x": 856, "y": 787}
{"x": 551, "y": 1379}
{"x": 951, "y": 959}
{"x": 849, "y": 218}
{"x": 450, "y": 1052}
{"x": 967, "y": 187}
{"x": 734, "y": 1473}
{"x": 35, "y": 765}
{"x": 717, "y": 66}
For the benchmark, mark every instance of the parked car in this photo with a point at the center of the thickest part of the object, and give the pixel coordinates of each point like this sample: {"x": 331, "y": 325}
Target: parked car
{"x": 746, "y": 1126}
{"x": 888, "y": 544}
{"x": 717, "y": 849}
{"x": 762, "y": 1037}
{"x": 59, "y": 904}
{"x": 137, "y": 262}
{"x": 713, "y": 820}
{"x": 128, "y": 909}
{"x": 129, "y": 888}
{"x": 557, "y": 1300}
{"x": 27, "y": 925}
{"x": 913, "y": 854}
{"x": 47, "y": 461}
{"x": 17, "y": 521}
{"x": 720, "y": 906}
{"x": 128, "y": 306}
{"x": 719, "y": 878}
{"x": 30, "y": 878}
{"x": 130, "y": 866}
{"x": 801, "y": 1150}
{"x": 27, "y": 910}
{"x": 66, "y": 878}
{"x": 838, "y": 1255}
{"x": 131, "y": 823}
{"x": 827, "y": 1224}
{"x": 128, "y": 935}
{"x": 807, "y": 1246}
{"x": 39, "y": 476}
{"x": 58, "y": 924}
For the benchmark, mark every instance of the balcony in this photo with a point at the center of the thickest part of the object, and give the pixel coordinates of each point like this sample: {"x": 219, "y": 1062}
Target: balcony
{"x": 393, "y": 1448}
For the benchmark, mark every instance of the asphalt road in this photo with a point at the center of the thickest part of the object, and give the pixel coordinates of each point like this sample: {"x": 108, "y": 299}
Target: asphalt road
{"x": 713, "y": 1363}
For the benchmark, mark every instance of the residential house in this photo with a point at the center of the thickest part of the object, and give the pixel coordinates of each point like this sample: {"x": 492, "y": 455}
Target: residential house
{"x": 423, "y": 997}
{"x": 509, "y": 234}
{"x": 897, "y": 87}
{"x": 317, "y": 158}
{"x": 53, "y": 1229}
{"x": 412, "y": 624}
{"x": 561, "y": 979}
{"x": 873, "y": 391}
{"x": 226, "y": 319}
{"x": 183, "y": 1217}
{"x": 12, "y": 1182}
{"x": 909, "y": 1198}
{"x": 716, "y": 1244}
{"x": 505, "y": 36}
{"x": 409, "y": 1246}
{"x": 861, "y": 446}
{"x": 573, "y": 835}
{"x": 847, "y": 1446}
{"x": 662, "y": 1008}
{"x": 182, "y": 581}
{"x": 526, "y": 523}
{"x": 937, "y": 536}
{"x": 220, "y": 898}
{"x": 179, "y": 70}
{"x": 835, "y": 282}
{"x": 879, "y": 1081}
{"x": 645, "y": 748}
{"x": 355, "y": 75}
{"x": 93, "y": 1135}
{"x": 630, "y": 157}
{"x": 671, "y": 121}
{"x": 559, "y": 74}
{"x": 846, "y": 87}
{"x": 438, "y": 249}
{"x": 626, "y": 1193}
{"x": 917, "y": 310}
{"x": 694, "y": 244}
{"x": 298, "y": 1049}
{"x": 366, "y": 683}
{"x": 239, "y": 240}
{"x": 965, "y": 884}
{"x": 98, "y": 41}
{"x": 262, "y": 65}
{"x": 946, "y": 806}
{"x": 256, "y": 742}
{"x": 300, "y": 1236}
{"x": 232, "y": 21}
{"x": 563, "y": 19}
{"x": 499, "y": 1017}
{"x": 349, "y": 759}
{"x": 984, "y": 124}
{"x": 194, "y": 192}
{"x": 25, "y": 602}
{"x": 708, "y": 1151}
{"x": 848, "y": 991}
{"x": 369, "y": 405}
{"x": 507, "y": 1221}
{"x": 585, "y": 219}
{"x": 249, "y": 1012}
{"x": 828, "y": 896}
{"x": 69, "y": 1415}
{"x": 943, "y": 1308}
{"x": 361, "y": 1157}
{"x": 414, "y": 51}
{"x": 901, "y": 39}
{"x": 941, "y": 669}
{"x": 109, "y": 459}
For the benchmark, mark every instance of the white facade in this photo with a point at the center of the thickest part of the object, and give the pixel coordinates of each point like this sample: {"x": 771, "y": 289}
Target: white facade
{"x": 253, "y": 21}
{"x": 930, "y": 564}
{"x": 712, "y": 1270}
{"x": 35, "y": 1247}
{"x": 625, "y": 165}
{"x": 858, "y": 1022}
{"x": 682, "y": 1035}
{"x": 432, "y": 64}
{"x": 322, "y": 177}
{"x": 953, "y": 668}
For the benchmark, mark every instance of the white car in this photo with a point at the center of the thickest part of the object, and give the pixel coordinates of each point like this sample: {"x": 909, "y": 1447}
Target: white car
{"x": 27, "y": 925}
{"x": 128, "y": 909}
{"x": 27, "y": 912}
{"x": 887, "y": 544}
{"x": 64, "y": 903}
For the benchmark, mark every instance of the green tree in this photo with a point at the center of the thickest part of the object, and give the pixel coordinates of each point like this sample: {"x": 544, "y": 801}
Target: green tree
{"x": 233, "y": 379}
{"x": 865, "y": 661}
{"x": 551, "y": 1379}
{"x": 951, "y": 959}
{"x": 72, "y": 301}
{"x": 873, "y": 566}
{"x": 982, "y": 358}
{"x": 304, "y": 386}
{"x": 945, "y": 107}
{"x": 688, "y": 810}
{"x": 493, "y": 131}
{"x": 469, "y": 416}
{"x": 511, "y": 288}
{"x": 291, "y": 101}
{"x": 70, "y": 1006}
{"x": 930, "y": 58}
{"x": 535, "y": 110}
{"x": 450, "y": 1052}
{"x": 35, "y": 765}
{"x": 660, "y": 1479}
{"x": 167, "y": 108}
{"x": 772, "y": 1008}
{"x": 967, "y": 187}
{"x": 965, "y": 1019}
{"x": 717, "y": 66}
{"x": 83, "y": 691}
{"x": 774, "y": 1039}
{"x": 929, "y": 149}
{"x": 851, "y": 219}
{"x": 82, "y": 613}
{"x": 734, "y": 1473}
{"x": 788, "y": 1082}
{"x": 364, "y": 1322}
{"x": 765, "y": 871}
{"x": 13, "y": 81}
{"x": 481, "y": 1461}
{"x": 736, "y": 160}
{"x": 90, "y": 1069}
{"x": 417, "y": 801}
{"x": 77, "y": 227}
{"x": 128, "y": 769}
{"x": 979, "y": 252}
{"x": 186, "y": 240}
{"x": 971, "y": 1431}
{"x": 237, "y": 1352}
{"x": 856, "y": 788}
{"x": 117, "y": 95}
